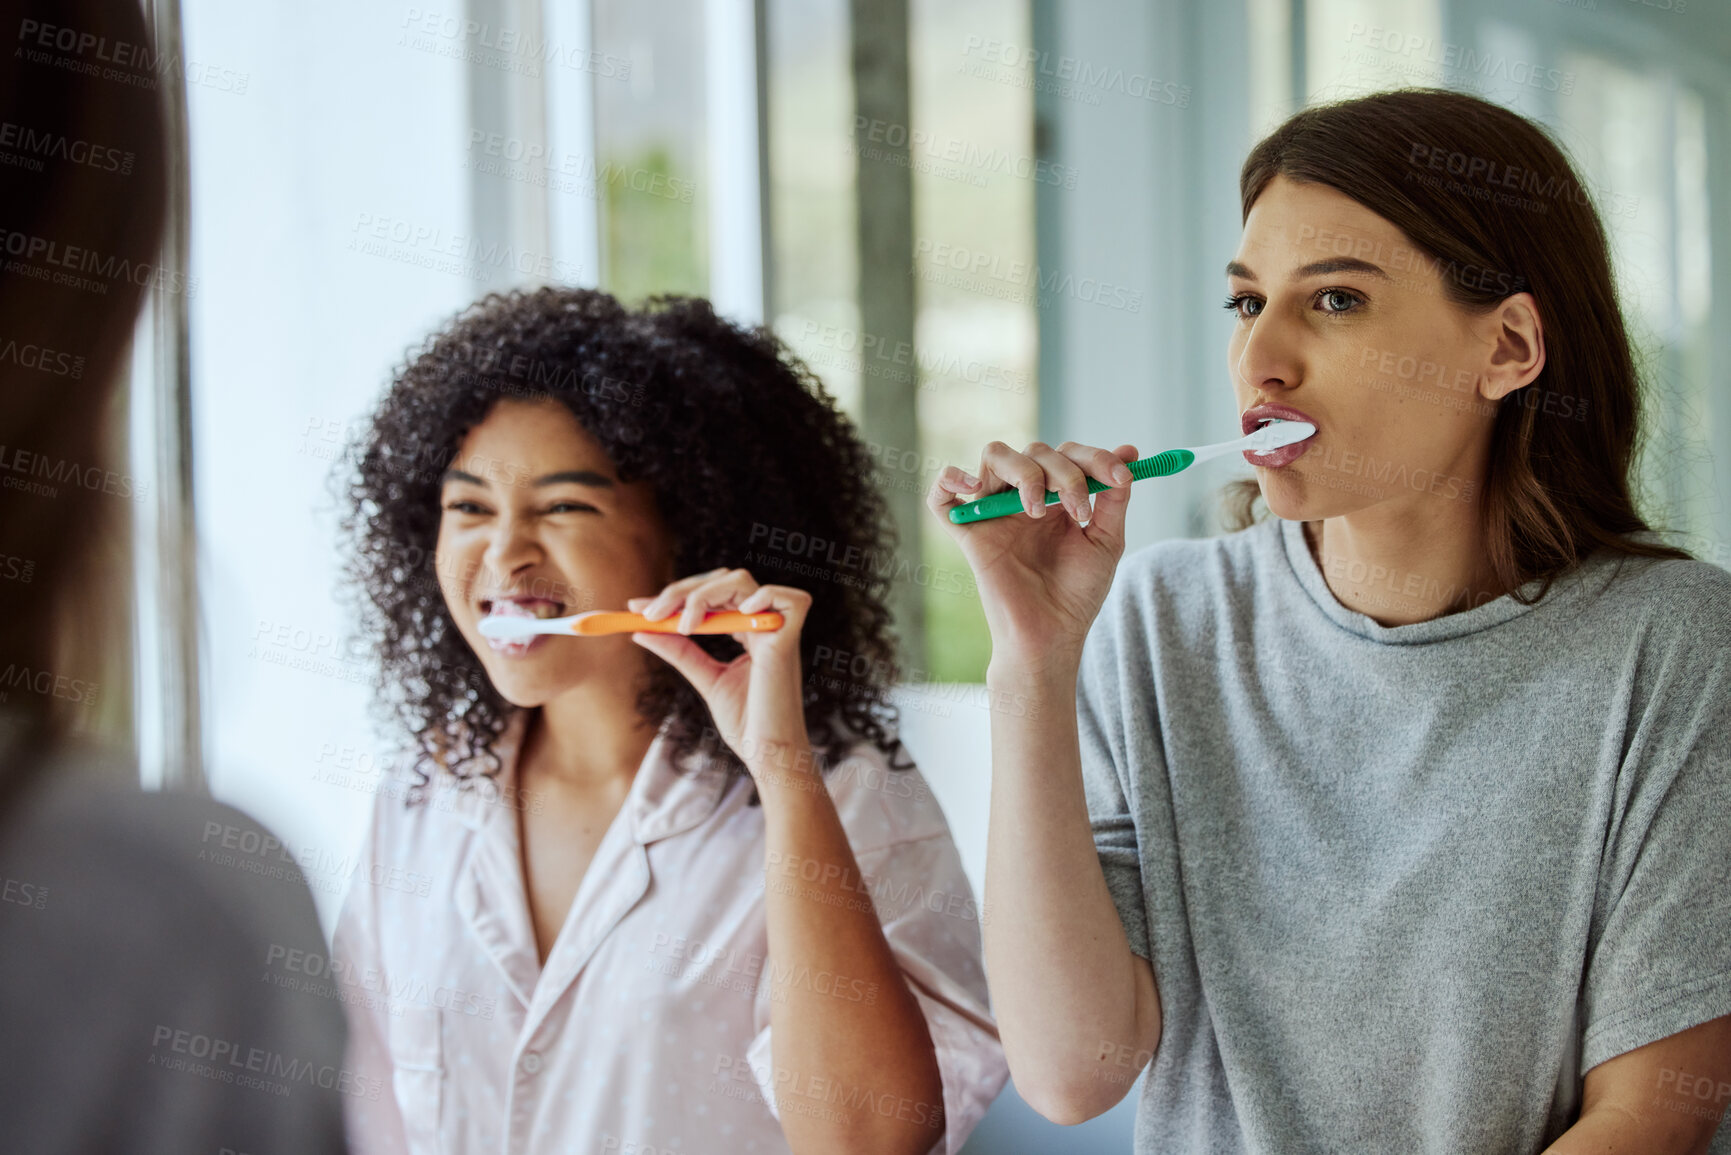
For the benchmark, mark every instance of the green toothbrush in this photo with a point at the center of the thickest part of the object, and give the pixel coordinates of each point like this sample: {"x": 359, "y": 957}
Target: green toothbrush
{"x": 1271, "y": 436}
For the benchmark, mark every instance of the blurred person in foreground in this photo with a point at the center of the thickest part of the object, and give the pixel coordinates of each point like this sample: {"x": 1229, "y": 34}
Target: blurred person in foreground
{"x": 140, "y": 934}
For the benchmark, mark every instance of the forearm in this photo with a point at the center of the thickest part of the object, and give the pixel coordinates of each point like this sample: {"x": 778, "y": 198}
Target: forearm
{"x": 854, "y": 1066}
{"x": 1611, "y": 1130}
{"x": 1666, "y": 1097}
{"x": 1070, "y": 997}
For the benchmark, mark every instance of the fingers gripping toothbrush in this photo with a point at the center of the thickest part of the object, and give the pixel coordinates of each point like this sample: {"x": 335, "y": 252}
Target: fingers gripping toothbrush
{"x": 1271, "y": 436}
{"x": 595, "y": 623}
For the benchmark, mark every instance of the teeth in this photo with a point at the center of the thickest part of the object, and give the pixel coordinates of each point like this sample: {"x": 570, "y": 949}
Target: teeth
{"x": 507, "y": 608}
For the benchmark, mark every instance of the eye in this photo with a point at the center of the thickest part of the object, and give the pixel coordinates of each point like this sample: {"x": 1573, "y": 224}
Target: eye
{"x": 464, "y": 505}
{"x": 1339, "y": 300}
{"x": 1240, "y": 304}
{"x": 571, "y": 507}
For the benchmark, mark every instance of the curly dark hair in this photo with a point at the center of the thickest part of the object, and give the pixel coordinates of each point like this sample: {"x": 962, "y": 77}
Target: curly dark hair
{"x": 733, "y": 433}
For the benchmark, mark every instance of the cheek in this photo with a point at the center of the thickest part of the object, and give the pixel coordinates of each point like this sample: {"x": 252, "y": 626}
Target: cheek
{"x": 627, "y": 556}
{"x": 587, "y": 573}
{"x": 1347, "y": 357}
{"x": 1392, "y": 409}
{"x": 455, "y": 564}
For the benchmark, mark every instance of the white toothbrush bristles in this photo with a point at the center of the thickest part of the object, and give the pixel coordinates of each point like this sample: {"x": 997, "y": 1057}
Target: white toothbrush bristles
{"x": 510, "y": 628}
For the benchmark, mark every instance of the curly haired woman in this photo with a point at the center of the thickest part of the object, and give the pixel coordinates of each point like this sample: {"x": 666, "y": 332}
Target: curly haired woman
{"x": 649, "y": 892}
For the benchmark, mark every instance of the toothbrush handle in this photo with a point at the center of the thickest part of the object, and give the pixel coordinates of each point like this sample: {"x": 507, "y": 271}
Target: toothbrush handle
{"x": 1009, "y": 501}
{"x": 722, "y": 622}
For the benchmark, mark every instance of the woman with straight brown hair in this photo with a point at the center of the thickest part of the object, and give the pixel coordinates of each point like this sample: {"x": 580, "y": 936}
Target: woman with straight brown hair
{"x": 1397, "y": 821}
{"x": 145, "y": 1004}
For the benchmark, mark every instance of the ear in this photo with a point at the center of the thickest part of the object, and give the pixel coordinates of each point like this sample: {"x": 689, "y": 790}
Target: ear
{"x": 1516, "y": 339}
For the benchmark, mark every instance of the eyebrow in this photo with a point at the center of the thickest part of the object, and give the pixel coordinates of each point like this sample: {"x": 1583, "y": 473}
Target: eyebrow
{"x": 1316, "y": 269}
{"x": 566, "y": 477}
{"x": 575, "y": 477}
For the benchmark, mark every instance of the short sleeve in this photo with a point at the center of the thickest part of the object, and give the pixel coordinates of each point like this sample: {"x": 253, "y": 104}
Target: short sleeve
{"x": 931, "y": 922}
{"x": 758, "y": 1056}
{"x": 1106, "y": 774}
{"x": 1661, "y": 961}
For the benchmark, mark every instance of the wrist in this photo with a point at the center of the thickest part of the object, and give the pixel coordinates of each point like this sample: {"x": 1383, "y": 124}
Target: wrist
{"x": 1015, "y": 668}
{"x": 784, "y": 766}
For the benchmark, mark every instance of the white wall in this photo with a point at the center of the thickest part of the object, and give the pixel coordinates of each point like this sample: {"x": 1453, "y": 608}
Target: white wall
{"x": 341, "y": 126}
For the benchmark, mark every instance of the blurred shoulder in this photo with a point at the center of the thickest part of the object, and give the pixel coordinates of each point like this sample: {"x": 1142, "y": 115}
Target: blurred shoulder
{"x": 156, "y": 922}
{"x": 199, "y": 865}
{"x": 881, "y": 796}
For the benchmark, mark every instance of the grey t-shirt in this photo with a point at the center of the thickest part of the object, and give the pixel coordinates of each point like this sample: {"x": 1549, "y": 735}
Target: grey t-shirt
{"x": 1401, "y": 886}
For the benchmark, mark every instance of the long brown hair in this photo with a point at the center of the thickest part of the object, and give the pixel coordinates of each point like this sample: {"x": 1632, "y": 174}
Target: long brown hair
{"x": 1493, "y": 201}
{"x": 63, "y": 338}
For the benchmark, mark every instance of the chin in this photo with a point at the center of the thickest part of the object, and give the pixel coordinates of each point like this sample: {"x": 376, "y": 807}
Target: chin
{"x": 536, "y": 681}
{"x": 1290, "y": 499}
{"x": 523, "y": 683}
{"x": 517, "y": 690}
{"x": 1285, "y": 496}
{"x": 524, "y": 693}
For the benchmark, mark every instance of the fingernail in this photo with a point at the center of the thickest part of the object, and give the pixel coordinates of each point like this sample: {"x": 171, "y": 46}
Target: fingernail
{"x": 1122, "y": 475}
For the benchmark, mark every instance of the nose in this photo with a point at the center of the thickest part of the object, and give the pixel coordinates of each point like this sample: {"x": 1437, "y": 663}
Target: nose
{"x": 511, "y": 546}
{"x": 1269, "y": 361}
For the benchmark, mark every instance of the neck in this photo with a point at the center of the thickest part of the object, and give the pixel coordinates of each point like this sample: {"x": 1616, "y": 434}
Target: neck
{"x": 1405, "y": 565}
{"x": 590, "y": 735}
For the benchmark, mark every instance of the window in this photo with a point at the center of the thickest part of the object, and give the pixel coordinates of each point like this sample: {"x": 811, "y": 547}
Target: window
{"x": 649, "y": 133}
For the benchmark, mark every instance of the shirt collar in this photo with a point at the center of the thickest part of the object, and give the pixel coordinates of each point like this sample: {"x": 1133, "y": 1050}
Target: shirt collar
{"x": 668, "y": 796}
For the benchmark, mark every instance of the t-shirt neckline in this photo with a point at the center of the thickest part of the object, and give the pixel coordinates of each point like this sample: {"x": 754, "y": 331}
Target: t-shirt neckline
{"x": 1454, "y": 625}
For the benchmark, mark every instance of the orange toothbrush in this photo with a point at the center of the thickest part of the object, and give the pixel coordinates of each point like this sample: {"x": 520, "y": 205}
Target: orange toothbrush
{"x": 598, "y": 622}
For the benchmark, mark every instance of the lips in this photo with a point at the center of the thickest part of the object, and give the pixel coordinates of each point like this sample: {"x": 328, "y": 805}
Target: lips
{"x": 511, "y": 606}
{"x": 1286, "y": 454}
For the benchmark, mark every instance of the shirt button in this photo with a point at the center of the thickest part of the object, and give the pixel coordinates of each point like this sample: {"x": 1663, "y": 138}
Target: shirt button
{"x": 531, "y": 1063}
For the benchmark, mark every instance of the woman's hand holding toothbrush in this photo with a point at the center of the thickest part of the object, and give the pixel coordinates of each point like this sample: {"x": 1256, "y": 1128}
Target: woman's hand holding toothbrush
{"x": 756, "y": 699}
{"x": 1042, "y": 578}
{"x": 1068, "y": 992}
{"x": 816, "y": 927}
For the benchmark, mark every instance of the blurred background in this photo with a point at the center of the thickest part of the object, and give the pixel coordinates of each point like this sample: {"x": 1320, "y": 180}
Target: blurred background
{"x": 974, "y": 219}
